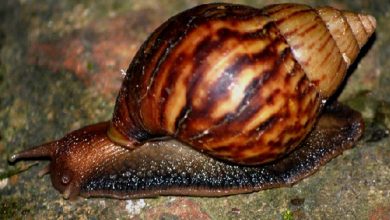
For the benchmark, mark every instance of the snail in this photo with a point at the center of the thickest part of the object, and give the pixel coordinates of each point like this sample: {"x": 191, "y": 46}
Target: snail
{"x": 220, "y": 99}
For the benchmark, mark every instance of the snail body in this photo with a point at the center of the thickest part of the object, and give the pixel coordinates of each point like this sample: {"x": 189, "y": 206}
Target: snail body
{"x": 242, "y": 86}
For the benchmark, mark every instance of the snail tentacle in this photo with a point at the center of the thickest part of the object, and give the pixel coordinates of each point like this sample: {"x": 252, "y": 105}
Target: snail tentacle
{"x": 43, "y": 151}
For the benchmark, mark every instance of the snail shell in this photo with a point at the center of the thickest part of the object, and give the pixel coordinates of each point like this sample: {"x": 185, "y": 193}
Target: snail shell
{"x": 239, "y": 83}
{"x": 236, "y": 83}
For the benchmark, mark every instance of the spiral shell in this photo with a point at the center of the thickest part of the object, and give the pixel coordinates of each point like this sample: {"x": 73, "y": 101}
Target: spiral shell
{"x": 242, "y": 84}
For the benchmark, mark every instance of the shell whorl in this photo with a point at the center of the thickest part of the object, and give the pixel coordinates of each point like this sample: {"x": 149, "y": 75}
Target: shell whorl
{"x": 325, "y": 41}
{"x": 239, "y": 83}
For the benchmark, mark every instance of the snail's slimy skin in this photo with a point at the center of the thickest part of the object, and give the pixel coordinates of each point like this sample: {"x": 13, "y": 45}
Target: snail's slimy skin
{"x": 240, "y": 92}
{"x": 172, "y": 168}
{"x": 86, "y": 163}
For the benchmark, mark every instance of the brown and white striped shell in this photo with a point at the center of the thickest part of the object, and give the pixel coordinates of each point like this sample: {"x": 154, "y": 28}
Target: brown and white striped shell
{"x": 239, "y": 83}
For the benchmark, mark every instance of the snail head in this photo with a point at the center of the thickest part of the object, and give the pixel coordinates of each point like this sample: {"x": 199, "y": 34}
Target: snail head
{"x": 72, "y": 157}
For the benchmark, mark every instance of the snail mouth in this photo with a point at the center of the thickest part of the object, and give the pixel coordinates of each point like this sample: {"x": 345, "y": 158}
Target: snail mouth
{"x": 66, "y": 193}
{"x": 70, "y": 193}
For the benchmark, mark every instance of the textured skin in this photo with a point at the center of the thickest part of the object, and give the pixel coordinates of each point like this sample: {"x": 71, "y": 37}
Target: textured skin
{"x": 171, "y": 168}
{"x": 85, "y": 162}
{"x": 239, "y": 83}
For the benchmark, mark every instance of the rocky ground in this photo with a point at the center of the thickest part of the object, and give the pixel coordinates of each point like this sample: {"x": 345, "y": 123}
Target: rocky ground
{"x": 60, "y": 69}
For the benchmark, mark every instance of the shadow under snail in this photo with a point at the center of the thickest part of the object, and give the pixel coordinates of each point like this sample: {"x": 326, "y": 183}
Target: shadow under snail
{"x": 221, "y": 99}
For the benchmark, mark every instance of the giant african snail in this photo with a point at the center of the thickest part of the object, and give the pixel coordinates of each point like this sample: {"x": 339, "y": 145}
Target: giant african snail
{"x": 240, "y": 85}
